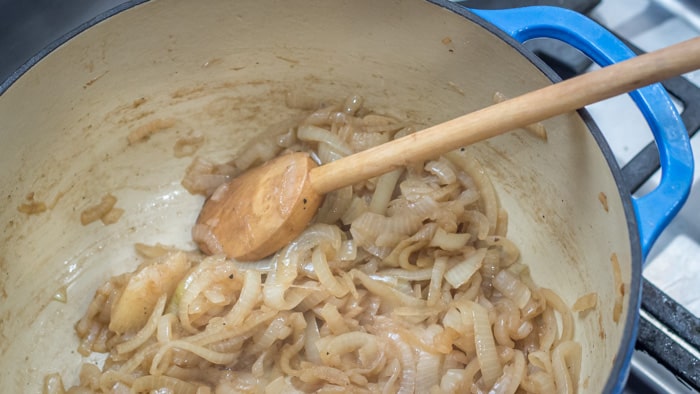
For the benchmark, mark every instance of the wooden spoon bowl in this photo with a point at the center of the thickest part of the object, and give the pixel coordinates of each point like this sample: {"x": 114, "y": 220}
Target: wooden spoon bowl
{"x": 271, "y": 205}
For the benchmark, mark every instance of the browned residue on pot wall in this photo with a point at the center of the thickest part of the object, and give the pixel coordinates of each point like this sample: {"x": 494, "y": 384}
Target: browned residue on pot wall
{"x": 619, "y": 288}
{"x": 603, "y": 198}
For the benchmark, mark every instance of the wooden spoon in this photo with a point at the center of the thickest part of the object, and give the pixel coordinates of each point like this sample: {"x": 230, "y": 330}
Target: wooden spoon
{"x": 265, "y": 208}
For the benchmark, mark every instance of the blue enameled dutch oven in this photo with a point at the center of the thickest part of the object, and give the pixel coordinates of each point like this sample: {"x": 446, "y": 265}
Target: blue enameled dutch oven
{"x": 221, "y": 69}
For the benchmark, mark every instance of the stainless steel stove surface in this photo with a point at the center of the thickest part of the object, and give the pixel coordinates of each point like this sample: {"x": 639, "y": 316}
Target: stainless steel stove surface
{"x": 668, "y": 349}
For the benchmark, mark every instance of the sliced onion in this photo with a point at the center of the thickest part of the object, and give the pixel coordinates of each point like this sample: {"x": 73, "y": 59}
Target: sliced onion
{"x": 319, "y": 134}
{"x": 53, "y": 384}
{"x": 325, "y": 276}
{"x": 288, "y": 262}
{"x": 210, "y": 271}
{"x": 249, "y": 297}
{"x": 443, "y": 170}
{"x": 386, "y": 292}
{"x": 413, "y": 189}
{"x": 449, "y": 241}
{"x": 111, "y": 381}
{"x": 348, "y": 251}
{"x": 585, "y": 302}
{"x": 314, "y": 297}
{"x": 513, "y": 374}
{"x": 428, "y": 371}
{"x": 164, "y": 331}
{"x": 334, "y": 206}
{"x": 463, "y": 271}
{"x": 453, "y": 380}
{"x": 394, "y": 367}
{"x": 510, "y": 286}
{"x": 384, "y": 191}
{"x": 374, "y": 135}
{"x": 326, "y": 154}
{"x": 468, "y": 197}
{"x": 540, "y": 382}
{"x": 289, "y": 351}
{"x": 258, "y": 368}
{"x": 332, "y": 349}
{"x": 282, "y": 385}
{"x": 90, "y": 374}
{"x": 319, "y": 373}
{"x": 567, "y": 319}
{"x": 547, "y": 329}
{"x": 510, "y": 252}
{"x": 207, "y": 354}
{"x": 358, "y": 206}
{"x": 279, "y": 329}
{"x": 352, "y": 104}
{"x": 540, "y": 359}
{"x": 447, "y": 196}
{"x": 334, "y": 320}
{"x": 523, "y": 330}
{"x": 220, "y": 332}
{"x": 478, "y": 223}
{"x": 436, "y": 275}
{"x": 501, "y": 333}
{"x": 566, "y": 366}
{"x": 322, "y": 116}
{"x": 262, "y": 266}
{"x": 491, "y": 368}
{"x": 489, "y": 199}
{"x": 401, "y": 253}
{"x": 142, "y": 336}
{"x": 151, "y": 383}
{"x": 407, "y": 360}
{"x": 312, "y": 335}
{"x": 400, "y": 273}
{"x": 144, "y": 289}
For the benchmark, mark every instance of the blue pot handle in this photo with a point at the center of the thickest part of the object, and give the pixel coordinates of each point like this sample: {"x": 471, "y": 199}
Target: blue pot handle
{"x": 655, "y": 210}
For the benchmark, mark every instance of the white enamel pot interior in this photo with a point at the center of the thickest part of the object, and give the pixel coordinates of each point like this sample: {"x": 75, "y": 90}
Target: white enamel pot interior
{"x": 221, "y": 69}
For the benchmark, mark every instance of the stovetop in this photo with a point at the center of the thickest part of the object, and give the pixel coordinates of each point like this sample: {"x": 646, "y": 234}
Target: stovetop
{"x": 667, "y": 356}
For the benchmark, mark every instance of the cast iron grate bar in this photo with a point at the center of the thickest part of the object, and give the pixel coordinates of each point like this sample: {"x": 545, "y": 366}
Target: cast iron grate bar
{"x": 671, "y": 314}
{"x": 677, "y": 320}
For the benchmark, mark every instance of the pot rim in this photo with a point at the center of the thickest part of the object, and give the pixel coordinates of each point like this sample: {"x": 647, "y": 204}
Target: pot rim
{"x": 621, "y": 366}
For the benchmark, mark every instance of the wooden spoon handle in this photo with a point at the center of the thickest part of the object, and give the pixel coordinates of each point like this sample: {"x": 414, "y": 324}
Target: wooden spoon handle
{"x": 508, "y": 115}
